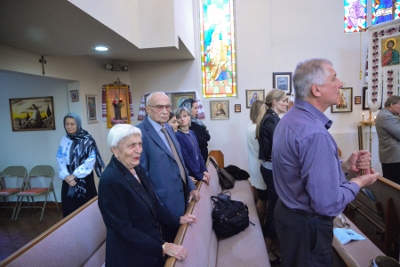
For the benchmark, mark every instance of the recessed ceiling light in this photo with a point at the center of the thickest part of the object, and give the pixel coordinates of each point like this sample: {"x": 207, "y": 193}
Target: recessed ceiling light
{"x": 101, "y": 48}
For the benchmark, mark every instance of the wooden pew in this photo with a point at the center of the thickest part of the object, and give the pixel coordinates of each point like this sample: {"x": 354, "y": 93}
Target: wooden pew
{"x": 77, "y": 240}
{"x": 218, "y": 156}
{"x": 246, "y": 248}
{"x": 384, "y": 213}
{"x": 356, "y": 253}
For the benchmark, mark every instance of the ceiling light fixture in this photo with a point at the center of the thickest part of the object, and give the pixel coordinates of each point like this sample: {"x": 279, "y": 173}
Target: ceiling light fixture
{"x": 101, "y": 48}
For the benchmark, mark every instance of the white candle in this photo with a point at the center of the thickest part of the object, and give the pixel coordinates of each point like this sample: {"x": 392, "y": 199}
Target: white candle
{"x": 363, "y": 116}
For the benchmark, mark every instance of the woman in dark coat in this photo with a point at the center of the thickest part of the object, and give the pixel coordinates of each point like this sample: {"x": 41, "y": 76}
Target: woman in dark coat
{"x": 197, "y": 126}
{"x": 266, "y": 123}
{"x": 130, "y": 208}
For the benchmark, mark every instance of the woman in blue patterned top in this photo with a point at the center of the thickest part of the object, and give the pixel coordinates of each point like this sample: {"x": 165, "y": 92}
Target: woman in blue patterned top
{"x": 190, "y": 148}
{"x": 77, "y": 155}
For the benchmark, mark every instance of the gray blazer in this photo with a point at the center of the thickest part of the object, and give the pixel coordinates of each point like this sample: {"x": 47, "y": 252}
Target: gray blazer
{"x": 388, "y": 129}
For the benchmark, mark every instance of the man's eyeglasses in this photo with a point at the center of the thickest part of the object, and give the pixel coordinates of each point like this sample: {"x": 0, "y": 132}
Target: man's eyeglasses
{"x": 161, "y": 107}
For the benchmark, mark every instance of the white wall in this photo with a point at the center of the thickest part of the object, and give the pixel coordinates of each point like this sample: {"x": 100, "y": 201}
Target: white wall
{"x": 120, "y": 14}
{"x": 272, "y": 36}
{"x": 31, "y": 148}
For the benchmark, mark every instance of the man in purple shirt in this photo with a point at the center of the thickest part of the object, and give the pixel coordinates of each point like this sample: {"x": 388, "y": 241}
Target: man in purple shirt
{"x": 308, "y": 175}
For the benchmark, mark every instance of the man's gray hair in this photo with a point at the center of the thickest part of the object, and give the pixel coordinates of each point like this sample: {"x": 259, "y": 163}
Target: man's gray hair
{"x": 307, "y": 73}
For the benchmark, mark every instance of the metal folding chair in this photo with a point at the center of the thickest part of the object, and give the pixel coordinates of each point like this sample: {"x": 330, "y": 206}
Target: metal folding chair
{"x": 12, "y": 181}
{"x": 37, "y": 172}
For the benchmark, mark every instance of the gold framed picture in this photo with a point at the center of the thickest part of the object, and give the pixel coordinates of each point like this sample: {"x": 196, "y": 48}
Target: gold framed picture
{"x": 253, "y": 95}
{"x": 178, "y": 98}
{"x": 346, "y": 101}
{"x": 117, "y": 104}
{"x": 219, "y": 109}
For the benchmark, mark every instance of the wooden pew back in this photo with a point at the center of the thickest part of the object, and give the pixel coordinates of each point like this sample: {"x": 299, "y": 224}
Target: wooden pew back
{"x": 76, "y": 240}
{"x": 388, "y": 194}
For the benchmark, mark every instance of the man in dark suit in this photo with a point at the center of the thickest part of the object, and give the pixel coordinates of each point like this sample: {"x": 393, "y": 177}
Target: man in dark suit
{"x": 165, "y": 170}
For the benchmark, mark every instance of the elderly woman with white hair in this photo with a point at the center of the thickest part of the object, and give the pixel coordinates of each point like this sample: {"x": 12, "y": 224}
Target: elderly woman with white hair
{"x": 130, "y": 207}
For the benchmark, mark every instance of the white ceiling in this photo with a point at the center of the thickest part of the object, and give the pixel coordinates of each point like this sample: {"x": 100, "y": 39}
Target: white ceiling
{"x": 58, "y": 28}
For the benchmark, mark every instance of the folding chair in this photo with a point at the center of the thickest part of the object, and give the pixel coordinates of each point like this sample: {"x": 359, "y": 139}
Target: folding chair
{"x": 12, "y": 181}
{"x": 39, "y": 171}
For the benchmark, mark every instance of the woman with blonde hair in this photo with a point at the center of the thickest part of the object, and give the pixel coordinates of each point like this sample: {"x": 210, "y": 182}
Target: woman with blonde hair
{"x": 276, "y": 104}
{"x": 197, "y": 126}
{"x": 253, "y": 147}
{"x": 190, "y": 148}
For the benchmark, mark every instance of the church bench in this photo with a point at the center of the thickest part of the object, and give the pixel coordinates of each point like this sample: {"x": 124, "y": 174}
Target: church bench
{"x": 247, "y": 248}
{"x": 355, "y": 253}
{"x": 384, "y": 212}
{"x": 77, "y": 240}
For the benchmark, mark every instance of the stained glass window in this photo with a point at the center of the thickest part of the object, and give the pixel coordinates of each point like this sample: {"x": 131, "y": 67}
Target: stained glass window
{"x": 355, "y": 15}
{"x": 383, "y": 10}
{"x": 359, "y": 14}
{"x": 218, "y": 54}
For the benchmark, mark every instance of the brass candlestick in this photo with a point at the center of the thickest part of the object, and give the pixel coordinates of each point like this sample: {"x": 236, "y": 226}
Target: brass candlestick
{"x": 368, "y": 123}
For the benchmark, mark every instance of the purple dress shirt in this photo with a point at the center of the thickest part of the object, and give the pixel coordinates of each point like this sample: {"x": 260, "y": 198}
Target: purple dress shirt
{"x": 306, "y": 167}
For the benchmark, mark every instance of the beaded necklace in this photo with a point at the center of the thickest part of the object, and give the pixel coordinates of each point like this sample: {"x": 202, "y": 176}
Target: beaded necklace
{"x": 190, "y": 137}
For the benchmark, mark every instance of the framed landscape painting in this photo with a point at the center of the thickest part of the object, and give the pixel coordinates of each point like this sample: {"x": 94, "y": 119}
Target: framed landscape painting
{"x": 32, "y": 114}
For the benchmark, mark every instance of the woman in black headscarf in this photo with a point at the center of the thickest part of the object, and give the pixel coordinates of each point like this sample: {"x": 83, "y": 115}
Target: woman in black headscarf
{"x": 77, "y": 155}
{"x": 197, "y": 126}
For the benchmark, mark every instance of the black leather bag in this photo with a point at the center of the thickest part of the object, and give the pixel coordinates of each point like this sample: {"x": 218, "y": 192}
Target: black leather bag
{"x": 237, "y": 173}
{"x": 226, "y": 180}
{"x": 229, "y": 216}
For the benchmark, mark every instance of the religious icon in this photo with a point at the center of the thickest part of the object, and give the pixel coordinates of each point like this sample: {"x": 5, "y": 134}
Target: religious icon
{"x": 219, "y": 110}
{"x": 117, "y": 102}
{"x": 390, "y": 56}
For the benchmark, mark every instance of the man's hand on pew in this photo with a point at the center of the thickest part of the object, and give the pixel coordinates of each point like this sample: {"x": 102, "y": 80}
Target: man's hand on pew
{"x": 189, "y": 218}
{"x": 194, "y": 194}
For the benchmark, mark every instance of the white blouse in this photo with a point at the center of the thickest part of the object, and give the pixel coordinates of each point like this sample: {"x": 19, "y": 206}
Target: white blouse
{"x": 253, "y": 147}
{"x": 82, "y": 170}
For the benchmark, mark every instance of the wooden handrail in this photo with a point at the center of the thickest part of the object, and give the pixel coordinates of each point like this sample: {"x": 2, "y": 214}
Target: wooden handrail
{"x": 345, "y": 256}
{"x": 183, "y": 228}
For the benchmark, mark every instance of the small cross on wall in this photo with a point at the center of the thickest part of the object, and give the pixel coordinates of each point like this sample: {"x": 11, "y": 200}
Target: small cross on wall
{"x": 42, "y": 61}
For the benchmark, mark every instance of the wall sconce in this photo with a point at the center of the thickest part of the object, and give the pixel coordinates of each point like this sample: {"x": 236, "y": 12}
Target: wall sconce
{"x": 114, "y": 67}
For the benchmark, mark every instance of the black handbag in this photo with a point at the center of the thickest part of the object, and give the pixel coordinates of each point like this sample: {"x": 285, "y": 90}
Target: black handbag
{"x": 226, "y": 180}
{"x": 229, "y": 217}
{"x": 237, "y": 173}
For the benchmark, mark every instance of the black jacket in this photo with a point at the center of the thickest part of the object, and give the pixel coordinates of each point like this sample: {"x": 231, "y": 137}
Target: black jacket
{"x": 202, "y": 136}
{"x": 265, "y": 137}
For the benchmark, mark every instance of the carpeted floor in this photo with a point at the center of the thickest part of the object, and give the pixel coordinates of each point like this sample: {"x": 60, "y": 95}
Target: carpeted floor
{"x": 14, "y": 235}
